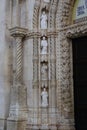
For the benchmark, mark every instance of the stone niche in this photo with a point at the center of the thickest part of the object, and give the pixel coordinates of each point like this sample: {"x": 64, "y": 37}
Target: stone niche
{"x": 52, "y": 110}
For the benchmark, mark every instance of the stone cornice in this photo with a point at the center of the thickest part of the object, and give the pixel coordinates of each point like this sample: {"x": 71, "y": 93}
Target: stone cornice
{"x": 32, "y": 34}
{"x": 71, "y": 31}
{"x": 18, "y": 31}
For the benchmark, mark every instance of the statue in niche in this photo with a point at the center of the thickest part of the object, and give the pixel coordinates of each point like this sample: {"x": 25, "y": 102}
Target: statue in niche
{"x": 43, "y": 46}
{"x": 43, "y": 20}
{"x": 47, "y": 1}
{"x": 44, "y": 71}
{"x": 44, "y": 97}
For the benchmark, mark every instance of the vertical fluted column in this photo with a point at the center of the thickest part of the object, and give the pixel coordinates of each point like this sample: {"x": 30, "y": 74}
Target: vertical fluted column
{"x": 18, "y": 105}
{"x": 17, "y": 13}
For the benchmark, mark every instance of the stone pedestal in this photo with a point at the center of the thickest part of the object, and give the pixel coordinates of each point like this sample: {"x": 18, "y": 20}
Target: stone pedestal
{"x": 18, "y": 107}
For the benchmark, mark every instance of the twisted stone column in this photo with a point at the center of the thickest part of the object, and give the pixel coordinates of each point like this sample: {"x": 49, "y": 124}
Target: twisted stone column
{"x": 18, "y": 105}
{"x": 19, "y": 59}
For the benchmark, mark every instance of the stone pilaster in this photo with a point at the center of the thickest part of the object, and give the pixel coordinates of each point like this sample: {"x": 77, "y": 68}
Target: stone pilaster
{"x": 18, "y": 106}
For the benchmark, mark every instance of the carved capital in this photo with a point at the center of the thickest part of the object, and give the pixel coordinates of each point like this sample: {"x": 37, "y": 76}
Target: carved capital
{"x": 18, "y": 32}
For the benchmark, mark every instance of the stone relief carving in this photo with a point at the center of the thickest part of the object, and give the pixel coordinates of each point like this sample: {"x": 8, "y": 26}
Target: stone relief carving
{"x": 52, "y": 71}
{"x": 43, "y": 46}
{"x": 44, "y": 70}
{"x": 65, "y": 68}
{"x": 35, "y": 71}
{"x": 43, "y": 21}
{"x": 35, "y": 47}
{"x": 66, "y": 75}
{"x": 72, "y": 31}
{"x": 44, "y": 97}
{"x": 52, "y": 45}
{"x": 36, "y": 10}
{"x": 35, "y": 59}
{"x": 52, "y": 61}
{"x": 53, "y": 15}
{"x": 75, "y": 30}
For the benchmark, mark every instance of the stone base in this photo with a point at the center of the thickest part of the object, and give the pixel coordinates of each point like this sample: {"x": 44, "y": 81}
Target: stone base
{"x": 41, "y": 127}
{"x": 16, "y": 124}
{"x": 66, "y": 127}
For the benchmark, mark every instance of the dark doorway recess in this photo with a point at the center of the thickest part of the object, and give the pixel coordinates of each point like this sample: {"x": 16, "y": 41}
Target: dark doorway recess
{"x": 79, "y": 46}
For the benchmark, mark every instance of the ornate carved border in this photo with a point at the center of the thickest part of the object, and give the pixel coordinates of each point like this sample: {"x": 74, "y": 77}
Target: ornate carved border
{"x": 76, "y": 30}
{"x": 66, "y": 74}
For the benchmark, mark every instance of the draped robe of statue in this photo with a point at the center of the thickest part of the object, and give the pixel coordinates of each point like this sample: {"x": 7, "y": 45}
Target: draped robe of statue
{"x": 44, "y": 46}
{"x": 44, "y": 96}
{"x": 43, "y": 20}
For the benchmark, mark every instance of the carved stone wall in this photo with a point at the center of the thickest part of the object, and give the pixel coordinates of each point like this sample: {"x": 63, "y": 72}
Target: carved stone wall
{"x": 64, "y": 74}
{"x": 57, "y": 57}
{"x": 44, "y": 117}
{"x": 64, "y": 13}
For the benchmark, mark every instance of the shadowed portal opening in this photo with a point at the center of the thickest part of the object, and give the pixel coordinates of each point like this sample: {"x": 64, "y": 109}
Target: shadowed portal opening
{"x": 79, "y": 46}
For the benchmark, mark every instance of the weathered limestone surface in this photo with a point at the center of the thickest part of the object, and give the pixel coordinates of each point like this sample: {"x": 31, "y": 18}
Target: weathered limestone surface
{"x": 5, "y": 66}
{"x": 21, "y": 61}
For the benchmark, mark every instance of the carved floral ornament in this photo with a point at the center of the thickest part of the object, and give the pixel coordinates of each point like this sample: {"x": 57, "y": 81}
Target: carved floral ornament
{"x": 75, "y": 30}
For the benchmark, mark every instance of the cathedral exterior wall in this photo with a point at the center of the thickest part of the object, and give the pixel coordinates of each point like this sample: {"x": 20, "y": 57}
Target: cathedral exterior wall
{"x": 22, "y": 80}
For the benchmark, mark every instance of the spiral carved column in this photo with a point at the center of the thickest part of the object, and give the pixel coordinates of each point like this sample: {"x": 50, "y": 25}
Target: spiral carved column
{"x": 18, "y": 106}
{"x": 19, "y": 59}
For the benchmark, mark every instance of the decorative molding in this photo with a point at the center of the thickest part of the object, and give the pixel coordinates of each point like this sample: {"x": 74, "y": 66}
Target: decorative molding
{"x": 65, "y": 74}
{"x": 36, "y": 14}
{"x": 76, "y": 30}
{"x": 33, "y": 33}
{"x": 52, "y": 14}
{"x": 64, "y": 13}
{"x": 70, "y": 30}
{"x": 18, "y": 32}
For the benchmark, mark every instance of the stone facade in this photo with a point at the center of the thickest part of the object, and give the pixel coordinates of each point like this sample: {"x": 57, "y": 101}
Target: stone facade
{"x": 22, "y": 80}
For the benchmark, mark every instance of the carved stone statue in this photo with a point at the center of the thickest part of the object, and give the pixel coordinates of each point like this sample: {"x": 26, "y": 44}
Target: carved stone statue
{"x": 47, "y": 1}
{"x": 44, "y": 97}
{"x": 44, "y": 46}
{"x": 43, "y": 20}
{"x": 44, "y": 71}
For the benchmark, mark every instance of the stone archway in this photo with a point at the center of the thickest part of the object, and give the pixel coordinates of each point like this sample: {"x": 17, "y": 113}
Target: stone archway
{"x": 67, "y": 31}
{"x": 63, "y": 64}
